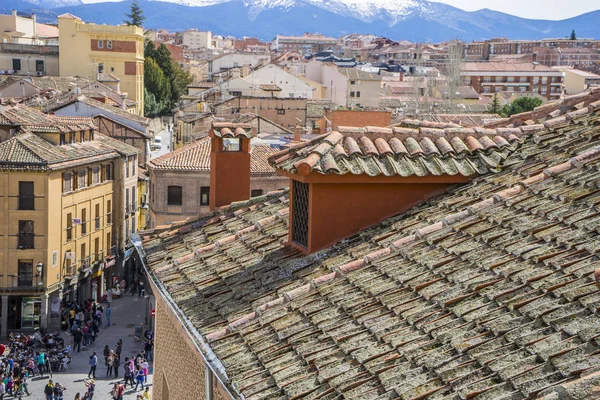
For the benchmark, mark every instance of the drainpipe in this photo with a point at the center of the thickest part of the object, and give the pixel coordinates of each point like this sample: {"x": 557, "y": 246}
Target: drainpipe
{"x": 208, "y": 375}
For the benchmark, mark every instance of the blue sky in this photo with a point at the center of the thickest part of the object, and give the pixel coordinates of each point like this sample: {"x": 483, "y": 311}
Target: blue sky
{"x": 541, "y": 9}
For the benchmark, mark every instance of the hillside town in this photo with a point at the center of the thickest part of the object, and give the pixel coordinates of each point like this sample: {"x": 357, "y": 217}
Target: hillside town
{"x": 310, "y": 217}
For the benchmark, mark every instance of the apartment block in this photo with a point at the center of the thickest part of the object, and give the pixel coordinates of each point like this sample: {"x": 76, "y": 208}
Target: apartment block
{"x": 89, "y": 50}
{"x": 15, "y": 28}
{"x": 195, "y": 39}
{"x": 61, "y": 217}
{"x": 493, "y": 77}
{"x": 306, "y": 44}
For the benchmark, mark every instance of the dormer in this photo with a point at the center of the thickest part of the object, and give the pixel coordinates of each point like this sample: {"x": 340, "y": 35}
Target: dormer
{"x": 353, "y": 178}
{"x": 229, "y": 163}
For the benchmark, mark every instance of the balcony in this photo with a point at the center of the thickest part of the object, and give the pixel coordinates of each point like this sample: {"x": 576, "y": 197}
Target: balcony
{"x": 97, "y": 223}
{"x": 26, "y": 241}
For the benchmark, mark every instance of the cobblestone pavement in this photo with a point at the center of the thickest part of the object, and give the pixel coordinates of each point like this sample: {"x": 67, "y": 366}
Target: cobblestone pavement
{"x": 126, "y": 313}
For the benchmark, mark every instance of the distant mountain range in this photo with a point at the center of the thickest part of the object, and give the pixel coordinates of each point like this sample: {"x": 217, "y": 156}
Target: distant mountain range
{"x": 414, "y": 20}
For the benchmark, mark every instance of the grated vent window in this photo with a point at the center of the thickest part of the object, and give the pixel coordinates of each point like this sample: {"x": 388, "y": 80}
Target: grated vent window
{"x": 300, "y": 214}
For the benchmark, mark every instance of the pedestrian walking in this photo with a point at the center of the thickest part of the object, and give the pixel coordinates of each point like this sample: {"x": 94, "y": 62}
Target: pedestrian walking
{"x": 149, "y": 349}
{"x": 109, "y": 364}
{"x": 119, "y": 348}
{"x": 49, "y": 390}
{"x": 47, "y": 366}
{"x": 93, "y": 364}
{"x": 116, "y": 363}
{"x": 2, "y": 389}
{"x": 41, "y": 363}
{"x": 25, "y": 384}
{"x": 139, "y": 378}
{"x": 107, "y": 313}
{"x": 128, "y": 371}
{"x": 59, "y": 391}
{"x": 91, "y": 386}
{"x": 77, "y": 338}
{"x": 146, "y": 369}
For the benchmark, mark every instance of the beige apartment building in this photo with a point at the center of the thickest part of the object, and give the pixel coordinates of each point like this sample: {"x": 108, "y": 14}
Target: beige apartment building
{"x": 91, "y": 50}
{"x": 60, "y": 213}
{"x": 494, "y": 77}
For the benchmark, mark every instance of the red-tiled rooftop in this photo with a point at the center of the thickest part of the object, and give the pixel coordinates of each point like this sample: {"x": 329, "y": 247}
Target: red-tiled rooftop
{"x": 487, "y": 291}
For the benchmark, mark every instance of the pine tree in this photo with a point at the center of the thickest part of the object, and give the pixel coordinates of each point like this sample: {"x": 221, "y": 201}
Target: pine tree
{"x": 495, "y": 105}
{"x": 136, "y": 15}
{"x": 573, "y": 35}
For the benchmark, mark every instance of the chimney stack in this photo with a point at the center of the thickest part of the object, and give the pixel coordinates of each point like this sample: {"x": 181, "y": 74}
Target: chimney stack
{"x": 14, "y": 12}
{"x": 297, "y": 133}
{"x": 229, "y": 163}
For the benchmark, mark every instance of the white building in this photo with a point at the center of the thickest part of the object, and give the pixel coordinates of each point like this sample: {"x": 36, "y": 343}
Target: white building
{"x": 195, "y": 39}
{"x": 225, "y": 62}
{"x": 327, "y": 74}
{"x": 287, "y": 84}
{"x": 26, "y": 30}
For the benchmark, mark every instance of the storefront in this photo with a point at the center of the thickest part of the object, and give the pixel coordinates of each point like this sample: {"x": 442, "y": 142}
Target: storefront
{"x": 24, "y": 312}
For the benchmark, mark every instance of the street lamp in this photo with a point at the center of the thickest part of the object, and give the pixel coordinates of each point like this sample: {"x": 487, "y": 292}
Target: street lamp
{"x": 39, "y": 267}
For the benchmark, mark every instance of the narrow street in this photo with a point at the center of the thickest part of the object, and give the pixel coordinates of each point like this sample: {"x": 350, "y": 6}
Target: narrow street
{"x": 165, "y": 136}
{"x": 126, "y": 313}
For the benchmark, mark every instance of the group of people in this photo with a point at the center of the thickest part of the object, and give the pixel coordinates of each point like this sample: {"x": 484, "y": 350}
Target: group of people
{"x": 85, "y": 322}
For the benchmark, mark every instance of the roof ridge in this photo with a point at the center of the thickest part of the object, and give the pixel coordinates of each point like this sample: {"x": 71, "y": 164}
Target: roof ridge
{"x": 578, "y": 162}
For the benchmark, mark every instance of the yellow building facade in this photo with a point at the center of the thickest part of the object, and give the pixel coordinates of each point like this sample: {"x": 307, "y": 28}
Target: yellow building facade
{"x": 88, "y": 50}
{"x": 59, "y": 213}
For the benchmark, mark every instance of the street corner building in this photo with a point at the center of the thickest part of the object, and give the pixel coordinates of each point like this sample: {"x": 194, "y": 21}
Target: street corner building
{"x": 425, "y": 260}
{"x": 61, "y": 215}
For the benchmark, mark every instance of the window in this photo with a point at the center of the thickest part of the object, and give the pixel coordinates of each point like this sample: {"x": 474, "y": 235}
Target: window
{"x": 256, "y": 192}
{"x": 96, "y": 175}
{"x": 510, "y": 79}
{"x": 536, "y": 89}
{"x": 174, "y": 195}
{"x": 109, "y": 212}
{"x": 100, "y": 68}
{"x": 231, "y": 144}
{"x": 523, "y": 79}
{"x": 16, "y": 62}
{"x": 39, "y": 65}
{"x": 486, "y": 89}
{"x": 25, "y": 274}
{"x": 127, "y": 169}
{"x": 126, "y": 230}
{"x": 487, "y": 78}
{"x": 543, "y": 90}
{"x": 62, "y": 139}
{"x": 109, "y": 44}
{"x": 69, "y": 227}
{"x": 523, "y": 89}
{"x": 97, "y": 219}
{"x": 82, "y": 178}
{"x": 108, "y": 172}
{"x": 132, "y": 225}
{"x": 544, "y": 80}
{"x": 536, "y": 80}
{"x": 132, "y": 165}
{"x": 352, "y": 94}
{"x": 300, "y": 213}
{"x": 357, "y": 94}
{"x": 281, "y": 111}
{"x": 498, "y": 89}
{"x": 84, "y": 263}
{"x": 133, "y": 200}
{"x": 127, "y": 201}
{"x": 108, "y": 244}
{"x": 26, "y": 197}
{"x": 100, "y": 44}
{"x": 26, "y": 235}
{"x": 83, "y": 221}
{"x": 97, "y": 249}
{"x": 235, "y": 93}
{"x": 204, "y": 195}
{"x": 352, "y": 82}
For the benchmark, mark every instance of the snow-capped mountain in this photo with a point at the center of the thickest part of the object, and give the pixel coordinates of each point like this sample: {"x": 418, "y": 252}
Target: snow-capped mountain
{"x": 414, "y": 20}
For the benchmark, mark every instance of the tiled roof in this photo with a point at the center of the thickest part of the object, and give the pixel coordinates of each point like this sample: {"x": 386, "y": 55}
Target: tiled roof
{"x": 316, "y": 109}
{"x": 35, "y": 121}
{"x": 503, "y": 66}
{"x": 466, "y": 120}
{"x": 107, "y": 78}
{"x": 27, "y": 151}
{"x": 196, "y": 157}
{"x": 485, "y": 292}
{"x": 231, "y": 130}
{"x": 400, "y": 151}
{"x": 357, "y": 74}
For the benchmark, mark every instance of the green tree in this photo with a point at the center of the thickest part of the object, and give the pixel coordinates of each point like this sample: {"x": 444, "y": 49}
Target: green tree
{"x": 136, "y": 15}
{"x": 157, "y": 87}
{"x": 495, "y": 105}
{"x": 573, "y": 35}
{"x": 522, "y": 104}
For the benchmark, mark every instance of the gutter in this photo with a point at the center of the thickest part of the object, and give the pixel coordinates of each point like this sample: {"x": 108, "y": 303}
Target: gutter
{"x": 214, "y": 367}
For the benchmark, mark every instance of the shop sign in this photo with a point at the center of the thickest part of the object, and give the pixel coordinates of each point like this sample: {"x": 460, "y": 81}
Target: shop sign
{"x": 69, "y": 255}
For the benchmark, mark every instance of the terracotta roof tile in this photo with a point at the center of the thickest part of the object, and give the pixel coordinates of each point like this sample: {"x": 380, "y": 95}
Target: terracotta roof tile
{"x": 486, "y": 291}
{"x": 397, "y": 151}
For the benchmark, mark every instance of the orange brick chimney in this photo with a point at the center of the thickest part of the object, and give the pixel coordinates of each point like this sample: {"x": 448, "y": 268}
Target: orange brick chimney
{"x": 354, "y": 178}
{"x": 229, "y": 163}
